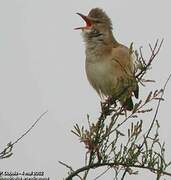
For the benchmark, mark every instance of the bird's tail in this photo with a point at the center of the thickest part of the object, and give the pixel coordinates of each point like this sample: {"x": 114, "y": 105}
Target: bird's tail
{"x": 128, "y": 104}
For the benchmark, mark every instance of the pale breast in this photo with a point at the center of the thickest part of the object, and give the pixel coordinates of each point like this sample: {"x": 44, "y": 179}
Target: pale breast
{"x": 101, "y": 76}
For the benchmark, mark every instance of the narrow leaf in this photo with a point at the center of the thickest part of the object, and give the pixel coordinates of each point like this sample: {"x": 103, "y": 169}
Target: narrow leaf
{"x": 148, "y": 97}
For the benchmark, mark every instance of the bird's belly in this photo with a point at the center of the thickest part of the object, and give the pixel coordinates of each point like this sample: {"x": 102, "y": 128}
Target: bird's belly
{"x": 101, "y": 77}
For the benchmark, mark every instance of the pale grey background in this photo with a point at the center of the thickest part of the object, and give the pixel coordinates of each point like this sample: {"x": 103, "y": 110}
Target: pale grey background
{"x": 42, "y": 67}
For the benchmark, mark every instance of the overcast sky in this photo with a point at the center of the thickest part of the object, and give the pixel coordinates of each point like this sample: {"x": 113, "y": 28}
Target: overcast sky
{"x": 42, "y": 67}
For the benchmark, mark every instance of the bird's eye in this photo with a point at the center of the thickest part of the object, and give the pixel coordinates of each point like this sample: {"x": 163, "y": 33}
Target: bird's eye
{"x": 95, "y": 31}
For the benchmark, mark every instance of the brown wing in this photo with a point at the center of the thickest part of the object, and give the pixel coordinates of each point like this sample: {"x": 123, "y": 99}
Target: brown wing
{"x": 124, "y": 59}
{"x": 125, "y": 70}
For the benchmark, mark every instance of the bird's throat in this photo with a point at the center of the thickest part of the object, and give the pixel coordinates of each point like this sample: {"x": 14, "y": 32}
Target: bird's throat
{"x": 99, "y": 44}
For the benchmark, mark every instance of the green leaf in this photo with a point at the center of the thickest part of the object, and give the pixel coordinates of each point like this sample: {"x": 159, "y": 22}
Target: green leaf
{"x": 75, "y": 133}
{"x": 148, "y": 97}
{"x": 136, "y": 106}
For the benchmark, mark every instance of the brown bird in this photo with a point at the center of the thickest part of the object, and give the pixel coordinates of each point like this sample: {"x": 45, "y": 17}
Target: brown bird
{"x": 110, "y": 66}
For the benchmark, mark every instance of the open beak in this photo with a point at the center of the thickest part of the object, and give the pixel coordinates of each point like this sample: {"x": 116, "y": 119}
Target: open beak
{"x": 87, "y": 20}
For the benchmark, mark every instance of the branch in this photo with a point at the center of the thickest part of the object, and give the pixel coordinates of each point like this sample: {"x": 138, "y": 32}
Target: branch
{"x": 96, "y": 165}
{"x": 7, "y": 152}
{"x": 70, "y": 168}
{"x": 154, "y": 51}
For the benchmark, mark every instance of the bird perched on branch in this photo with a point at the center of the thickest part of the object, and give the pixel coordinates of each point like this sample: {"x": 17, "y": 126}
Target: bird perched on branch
{"x": 110, "y": 66}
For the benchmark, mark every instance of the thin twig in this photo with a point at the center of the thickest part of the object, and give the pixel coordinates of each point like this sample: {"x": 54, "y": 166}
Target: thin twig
{"x": 70, "y": 168}
{"x": 124, "y": 174}
{"x": 32, "y": 126}
{"x": 154, "y": 52}
{"x": 157, "y": 109}
{"x": 7, "y": 152}
{"x": 99, "y": 176}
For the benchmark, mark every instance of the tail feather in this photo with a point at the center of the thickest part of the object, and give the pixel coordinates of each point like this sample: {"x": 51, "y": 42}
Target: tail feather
{"x": 136, "y": 92}
{"x": 128, "y": 104}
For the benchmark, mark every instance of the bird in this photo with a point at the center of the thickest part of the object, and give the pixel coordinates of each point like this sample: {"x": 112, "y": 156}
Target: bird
{"x": 110, "y": 65}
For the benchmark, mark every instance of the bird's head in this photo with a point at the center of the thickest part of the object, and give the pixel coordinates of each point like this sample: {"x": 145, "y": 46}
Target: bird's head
{"x": 98, "y": 24}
